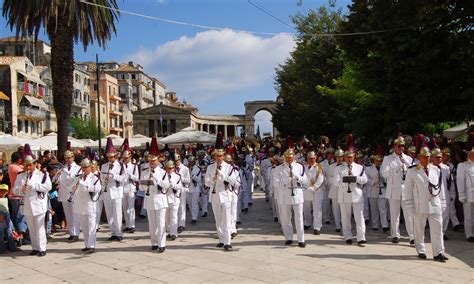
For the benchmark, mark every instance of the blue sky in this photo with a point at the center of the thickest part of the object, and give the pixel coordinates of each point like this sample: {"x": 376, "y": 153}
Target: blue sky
{"x": 217, "y": 71}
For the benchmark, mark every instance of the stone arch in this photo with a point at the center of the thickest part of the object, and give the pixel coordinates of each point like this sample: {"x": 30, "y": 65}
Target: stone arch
{"x": 251, "y": 108}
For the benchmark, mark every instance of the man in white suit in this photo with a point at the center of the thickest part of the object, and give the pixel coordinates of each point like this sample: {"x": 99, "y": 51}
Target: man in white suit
{"x": 465, "y": 183}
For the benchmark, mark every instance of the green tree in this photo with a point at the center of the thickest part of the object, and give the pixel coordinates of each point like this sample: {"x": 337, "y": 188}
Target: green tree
{"x": 65, "y": 22}
{"x": 86, "y": 129}
{"x": 316, "y": 61}
{"x": 421, "y": 69}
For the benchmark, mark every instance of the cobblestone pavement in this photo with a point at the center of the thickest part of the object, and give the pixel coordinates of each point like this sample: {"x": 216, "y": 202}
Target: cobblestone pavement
{"x": 259, "y": 256}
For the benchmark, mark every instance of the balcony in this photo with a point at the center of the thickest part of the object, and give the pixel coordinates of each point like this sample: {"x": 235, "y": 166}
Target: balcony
{"x": 148, "y": 98}
{"x": 31, "y": 113}
{"x": 115, "y": 129}
{"x": 80, "y": 103}
{"x": 115, "y": 112}
{"x": 115, "y": 97}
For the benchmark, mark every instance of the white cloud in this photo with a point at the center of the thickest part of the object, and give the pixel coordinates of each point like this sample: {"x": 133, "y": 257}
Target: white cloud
{"x": 215, "y": 63}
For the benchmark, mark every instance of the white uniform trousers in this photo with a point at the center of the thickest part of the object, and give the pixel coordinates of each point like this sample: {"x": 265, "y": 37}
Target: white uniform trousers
{"x": 193, "y": 201}
{"x": 182, "y": 210}
{"x": 307, "y": 214}
{"x": 113, "y": 210}
{"x": 436, "y": 232}
{"x": 248, "y": 192}
{"x": 128, "y": 206}
{"x": 36, "y": 227}
{"x": 240, "y": 204}
{"x": 286, "y": 221}
{"x": 326, "y": 205}
{"x": 378, "y": 212}
{"x": 88, "y": 228}
{"x": 72, "y": 219}
{"x": 468, "y": 209}
{"x": 233, "y": 213}
{"x": 336, "y": 212}
{"x": 222, "y": 214}
{"x": 358, "y": 210}
{"x": 275, "y": 212}
{"x": 98, "y": 215}
{"x": 395, "y": 219}
{"x": 315, "y": 217}
{"x": 452, "y": 213}
{"x": 204, "y": 202}
{"x": 157, "y": 227}
{"x": 365, "y": 195}
{"x": 172, "y": 218}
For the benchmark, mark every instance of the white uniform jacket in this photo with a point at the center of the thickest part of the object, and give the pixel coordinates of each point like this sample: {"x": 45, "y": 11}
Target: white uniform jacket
{"x": 331, "y": 180}
{"x": 175, "y": 187}
{"x": 157, "y": 198}
{"x": 183, "y": 172}
{"x": 465, "y": 180}
{"x": 394, "y": 170}
{"x": 424, "y": 193}
{"x": 291, "y": 178}
{"x": 66, "y": 180}
{"x": 315, "y": 182}
{"x": 113, "y": 177}
{"x": 85, "y": 195}
{"x": 222, "y": 185}
{"x": 356, "y": 194}
{"x": 195, "y": 176}
{"x": 37, "y": 185}
{"x": 132, "y": 173}
{"x": 375, "y": 182}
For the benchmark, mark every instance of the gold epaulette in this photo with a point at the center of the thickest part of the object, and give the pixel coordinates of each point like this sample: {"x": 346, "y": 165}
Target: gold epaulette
{"x": 419, "y": 167}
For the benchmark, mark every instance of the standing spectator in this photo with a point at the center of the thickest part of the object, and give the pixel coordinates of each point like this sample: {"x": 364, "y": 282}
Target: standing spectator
{"x": 17, "y": 217}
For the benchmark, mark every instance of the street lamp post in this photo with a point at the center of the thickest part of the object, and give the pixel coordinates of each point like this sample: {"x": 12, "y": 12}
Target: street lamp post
{"x": 98, "y": 101}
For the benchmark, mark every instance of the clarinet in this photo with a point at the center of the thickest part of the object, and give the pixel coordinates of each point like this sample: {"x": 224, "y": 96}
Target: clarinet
{"x": 349, "y": 173}
{"x": 380, "y": 180}
{"x": 22, "y": 200}
{"x": 291, "y": 177}
{"x": 218, "y": 167}
{"x": 73, "y": 192}
{"x": 152, "y": 171}
{"x": 108, "y": 177}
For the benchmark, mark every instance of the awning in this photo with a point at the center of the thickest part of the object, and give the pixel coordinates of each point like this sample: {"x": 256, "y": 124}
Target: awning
{"x": 37, "y": 102}
{"x": 29, "y": 77}
{"x": 3, "y": 96}
{"x": 456, "y": 131}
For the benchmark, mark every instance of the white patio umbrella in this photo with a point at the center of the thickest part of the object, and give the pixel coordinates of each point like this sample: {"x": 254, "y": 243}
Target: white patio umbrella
{"x": 139, "y": 139}
{"x": 456, "y": 131}
{"x": 117, "y": 141}
{"x": 9, "y": 143}
{"x": 189, "y": 135}
{"x": 50, "y": 142}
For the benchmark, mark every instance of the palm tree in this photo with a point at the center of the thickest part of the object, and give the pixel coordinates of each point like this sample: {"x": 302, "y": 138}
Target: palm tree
{"x": 65, "y": 22}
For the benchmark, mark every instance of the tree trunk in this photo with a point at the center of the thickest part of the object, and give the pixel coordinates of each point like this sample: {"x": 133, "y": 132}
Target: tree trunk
{"x": 62, "y": 71}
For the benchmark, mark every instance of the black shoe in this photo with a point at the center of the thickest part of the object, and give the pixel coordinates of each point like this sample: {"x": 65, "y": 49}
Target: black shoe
{"x": 470, "y": 239}
{"x": 361, "y": 243}
{"x": 349, "y": 241}
{"x": 233, "y": 235}
{"x": 86, "y": 249}
{"x": 193, "y": 221}
{"x": 112, "y": 238}
{"x": 395, "y": 240}
{"x": 375, "y": 229}
{"x": 440, "y": 257}
{"x": 422, "y": 255}
{"x": 385, "y": 230}
{"x": 275, "y": 219}
{"x": 338, "y": 230}
{"x": 250, "y": 204}
{"x": 34, "y": 252}
{"x": 41, "y": 253}
{"x": 92, "y": 250}
{"x": 445, "y": 238}
{"x": 457, "y": 228}
{"x": 307, "y": 227}
{"x": 317, "y": 232}
{"x": 246, "y": 210}
{"x": 180, "y": 229}
{"x": 327, "y": 222}
{"x": 227, "y": 247}
{"x": 172, "y": 237}
{"x": 366, "y": 222}
{"x": 141, "y": 216}
{"x": 288, "y": 243}
{"x": 219, "y": 245}
{"x": 118, "y": 238}
{"x": 302, "y": 245}
{"x": 161, "y": 250}
{"x": 204, "y": 215}
{"x": 239, "y": 223}
{"x": 154, "y": 247}
{"x": 75, "y": 239}
{"x": 126, "y": 229}
{"x": 70, "y": 238}
{"x": 412, "y": 242}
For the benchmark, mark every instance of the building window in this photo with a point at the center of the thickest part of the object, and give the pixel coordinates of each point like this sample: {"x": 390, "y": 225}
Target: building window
{"x": 133, "y": 76}
{"x": 27, "y": 127}
{"x": 95, "y": 87}
{"x": 19, "y": 50}
{"x": 76, "y": 78}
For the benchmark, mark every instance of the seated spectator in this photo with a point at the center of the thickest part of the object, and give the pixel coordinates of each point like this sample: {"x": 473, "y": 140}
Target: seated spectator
{"x": 6, "y": 225}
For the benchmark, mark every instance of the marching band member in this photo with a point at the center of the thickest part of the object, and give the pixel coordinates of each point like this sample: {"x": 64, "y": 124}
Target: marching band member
{"x": 451, "y": 197}
{"x": 272, "y": 187}
{"x": 445, "y": 172}
{"x": 113, "y": 178}
{"x": 129, "y": 187}
{"x": 219, "y": 181}
{"x": 425, "y": 197}
{"x": 203, "y": 163}
{"x": 264, "y": 168}
{"x": 313, "y": 193}
{"x": 183, "y": 172}
{"x": 34, "y": 186}
{"x": 174, "y": 192}
{"x": 291, "y": 180}
{"x": 465, "y": 183}
{"x": 84, "y": 204}
{"x": 194, "y": 189}
{"x": 250, "y": 172}
{"x": 333, "y": 188}
{"x": 66, "y": 178}
{"x": 329, "y": 160}
{"x": 153, "y": 183}
{"x": 394, "y": 168}
{"x": 243, "y": 178}
{"x": 376, "y": 186}
{"x": 235, "y": 189}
